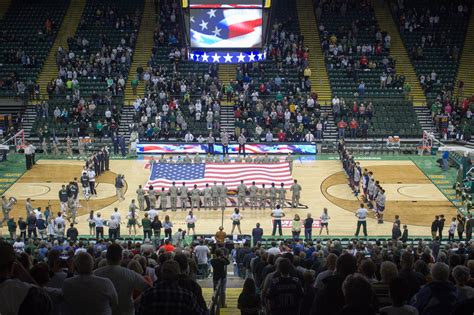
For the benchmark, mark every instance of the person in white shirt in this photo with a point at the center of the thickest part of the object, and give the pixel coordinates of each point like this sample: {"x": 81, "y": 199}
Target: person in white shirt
{"x": 277, "y": 214}
{"x": 189, "y": 137}
{"x": 86, "y": 293}
{"x": 99, "y": 226}
{"x": 91, "y": 174}
{"x": 125, "y": 281}
{"x": 324, "y": 217}
{"x": 274, "y": 250}
{"x": 236, "y": 217}
{"x": 117, "y": 218}
{"x": 59, "y": 226}
{"x": 202, "y": 253}
{"x": 309, "y": 137}
{"x": 191, "y": 222}
{"x": 152, "y": 213}
{"x": 361, "y": 215}
{"x": 452, "y": 229}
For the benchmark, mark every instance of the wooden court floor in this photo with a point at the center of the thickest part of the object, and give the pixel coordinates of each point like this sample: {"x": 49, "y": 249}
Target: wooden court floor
{"x": 410, "y": 194}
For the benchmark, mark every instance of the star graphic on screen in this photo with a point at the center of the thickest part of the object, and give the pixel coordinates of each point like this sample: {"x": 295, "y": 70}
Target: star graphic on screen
{"x": 196, "y": 56}
{"x": 252, "y": 56}
{"x": 241, "y": 58}
{"x": 191, "y": 56}
{"x": 212, "y": 13}
{"x": 192, "y": 19}
{"x": 259, "y": 56}
{"x": 228, "y": 58}
{"x": 203, "y": 25}
{"x": 217, "y": 31}
{"x": 205, "y": 57}
{"x": 216, "y": 58}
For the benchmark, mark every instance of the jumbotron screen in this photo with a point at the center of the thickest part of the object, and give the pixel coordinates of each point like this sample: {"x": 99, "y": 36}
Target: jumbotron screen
{"x": 226, "y": 26}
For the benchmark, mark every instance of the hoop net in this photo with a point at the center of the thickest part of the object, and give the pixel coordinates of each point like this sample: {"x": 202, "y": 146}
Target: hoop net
{"x": 18, "y": 140}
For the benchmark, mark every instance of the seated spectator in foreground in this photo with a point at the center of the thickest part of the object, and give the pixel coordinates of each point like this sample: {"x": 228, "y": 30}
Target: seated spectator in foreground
{"x": 18, "y": 294}
{"x": 167, "y": 297}
{"x": 358, "y": 296}
{"x": 86, "y": 293}
{"x": 399, "y": 296}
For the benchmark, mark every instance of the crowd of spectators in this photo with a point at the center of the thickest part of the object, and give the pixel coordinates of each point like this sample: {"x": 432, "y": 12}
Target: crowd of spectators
{"x": 324, "y": 277}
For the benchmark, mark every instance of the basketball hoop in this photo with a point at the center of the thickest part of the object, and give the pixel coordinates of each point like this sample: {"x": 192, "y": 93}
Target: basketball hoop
{"x": 18, "y": 140}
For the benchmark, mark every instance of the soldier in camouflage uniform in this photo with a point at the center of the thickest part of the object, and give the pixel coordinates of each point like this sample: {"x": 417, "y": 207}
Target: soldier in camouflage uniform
{"x": 152, "y": 197}
{"x": 223, "y": 195}
{"x": 163, "y": 197}
{"x": 241, "y": 193}
{"x": 295, "y": 197}
{"x": 215, "y": 196}
{"x": 141, "y": 198}
{"x": 289, "y": 159}
{"x": 183, "y": 195}
{"x": 273, "y": 196}
{"x": 207, "y": 197}
{"x": 253, "y": 196}
{"x": 187, "y": 159}
{"x": 195, "y": 198}
{"x": 282, "y": 195}
{"x": 248, "y": 159}
{"x": 197, "y": 158}
{"x": 173, "y": 196}
{"x": 262, "y": 196}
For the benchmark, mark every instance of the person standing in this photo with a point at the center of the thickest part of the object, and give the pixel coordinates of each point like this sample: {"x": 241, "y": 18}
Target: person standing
{"x": 262, "y": 194}
{"x": 141, "y": 198}
{"x": 191, "y": 222}
{"x": 296, "y": 227}
{"x": 296, "y": 190}
{"x": 361, "y": 215}
{"x": 461, "y": 225}
{"x": 282, "y": 195}
{"x": 207, "y": 197}
{"x": 99, "y": 226}
{"x": 146, "y": 224}
{"x": 195, "y": 199}
{"x": 289, "y": 160}
{"x": 452, "y": 230}
{"x": 219, "y": 266}
{"x": 225, "y": 143}
{"x": 163, "y": 199}
{"x": 156, "y": 226}
{"x": 152, "y": 197}
{"x": 257, "y": 234}
{"x": 29, "y": 207}
{"x": 63, "y": 198}
{"x": 469, "y": 227}
{"x": 29, "y": 155}
{"x": 210, "y": 144}
{"x": 85, "y": 185}
{"x": 223, "y": 195}
{"x": 434, "y": 226}
{"x": 242, "y": 140}
{"x": 183, "y": 196}
{"x": 277, "y": 214}
{"x": 173, "y": 196}
{"x": 253, "y": 196}
{"x": 31, "y": 223}
{"x": 308, "y": 227}
{"x": 167, "y": 226}
{"x": 113, "y": 228}
{"x": 441, "y": 226}
{"x": 241, "y": 193}
{"x": 91, "y": 174}
{"x": 132, "y": 218}
{"x": 236, "y": 217}
{"x": 324, "y": 217}
{"x": 272, "y": 191}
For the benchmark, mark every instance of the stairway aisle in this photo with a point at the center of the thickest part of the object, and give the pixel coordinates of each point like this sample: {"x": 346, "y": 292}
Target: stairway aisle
{"x": 142, "y": 52}
{"x": 398, "y": 51}
{"x": 426, "y": 121}
{"x": 467, "y": 56}
{"x": 4, "y": 5}
{"x": 309, "y": 29}
{"x": 227, "y": 119}
{"x": 227, "y": 73}
{"x": 68, "y": 29}
{"x": 232, "y": 296}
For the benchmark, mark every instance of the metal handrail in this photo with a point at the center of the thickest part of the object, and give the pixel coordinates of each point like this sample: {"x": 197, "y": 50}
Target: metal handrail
{"x": 215, "y": 304}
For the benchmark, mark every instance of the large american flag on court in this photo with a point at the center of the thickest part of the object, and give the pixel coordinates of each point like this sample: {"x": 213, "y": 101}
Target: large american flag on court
{"x": 226, "y": 28}
{"x": 163, "y": 174}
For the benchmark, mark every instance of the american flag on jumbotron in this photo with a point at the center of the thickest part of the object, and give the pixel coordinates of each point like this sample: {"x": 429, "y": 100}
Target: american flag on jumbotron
{"x": 228, "y": 28}
{"x": 163, "y": 174}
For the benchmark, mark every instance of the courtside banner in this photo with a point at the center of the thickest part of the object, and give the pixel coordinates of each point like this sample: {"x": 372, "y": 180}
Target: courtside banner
{"x": 250, "y": 148}
{"x": 288, "y": 224}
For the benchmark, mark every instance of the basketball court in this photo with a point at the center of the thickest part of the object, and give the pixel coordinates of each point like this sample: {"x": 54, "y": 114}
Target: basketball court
{"x": 411, "y": 194}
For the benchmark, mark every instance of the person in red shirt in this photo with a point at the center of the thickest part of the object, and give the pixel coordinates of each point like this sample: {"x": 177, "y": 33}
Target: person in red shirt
{"x": 167, "y": 246}
{"x": 363, "y": 62}
{"x": 353, "y": 125}
{"x": 341, "y": 128}
{"x": 281, "y": 136}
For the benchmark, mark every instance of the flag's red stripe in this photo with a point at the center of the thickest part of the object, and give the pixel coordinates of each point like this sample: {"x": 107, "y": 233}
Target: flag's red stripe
{"x": 243, "y": 28}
